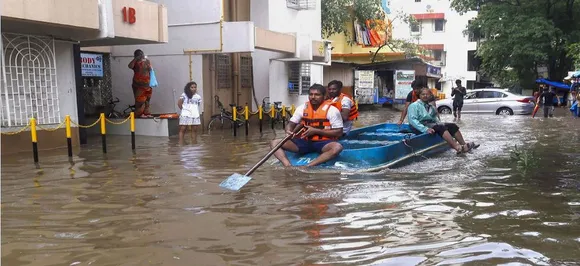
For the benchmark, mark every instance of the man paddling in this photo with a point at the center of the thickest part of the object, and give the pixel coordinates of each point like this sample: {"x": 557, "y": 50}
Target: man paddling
{"x": 344, "y": 103}
{"x": 322, "y": 128}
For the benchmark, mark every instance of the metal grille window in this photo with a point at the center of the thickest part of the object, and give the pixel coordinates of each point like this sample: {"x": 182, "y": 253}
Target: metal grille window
{"x": 246, "y": 71}
{"x": 299, "y": 78}
{"x": 301, "y": 4}
{"x": 224, "y": 71}
{"x": 31, "y": 83}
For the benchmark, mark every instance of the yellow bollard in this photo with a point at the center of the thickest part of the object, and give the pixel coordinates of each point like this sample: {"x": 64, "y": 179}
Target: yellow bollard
{"x": 132, "y": 115}
{"x": 283, "y": 111}
{"x": 272, "y": 111}
{"x": 247, "y": 113}
{"x": 235, "y": 117}
{"x": 68, "y": 135}
{"x": 260, "y": 110}
{"x": 292, "y": 109}
{"x": 34, "y": 139}
{"x": 103, "y": 132}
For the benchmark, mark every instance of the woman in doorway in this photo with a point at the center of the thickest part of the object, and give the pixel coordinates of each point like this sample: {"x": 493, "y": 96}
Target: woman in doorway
{"x": 189, "y": 103}
{"x": 141, "y": 67}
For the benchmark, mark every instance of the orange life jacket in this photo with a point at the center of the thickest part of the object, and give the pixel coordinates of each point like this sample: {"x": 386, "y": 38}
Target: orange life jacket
{"x": 353, "y": 114}
{"x": 415, "y": 96}
{"x": 317, "y": 119}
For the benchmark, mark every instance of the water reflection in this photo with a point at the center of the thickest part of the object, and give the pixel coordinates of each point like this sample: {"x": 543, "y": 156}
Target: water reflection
{"x": 162, "y": 205}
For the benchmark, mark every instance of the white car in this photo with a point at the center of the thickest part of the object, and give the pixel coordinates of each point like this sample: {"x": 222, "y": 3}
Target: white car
{"x": 491, "y": 101}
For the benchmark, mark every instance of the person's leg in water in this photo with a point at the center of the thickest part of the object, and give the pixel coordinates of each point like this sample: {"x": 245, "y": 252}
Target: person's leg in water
{"x": 451, "y": 134}
{"x": 182, "y": 129}
{"x": 329, "y": 150}
{"x": 455, "y": 110}
{"x": 288, "y": 146}
{"x": 459, "y": 107}
{"x": 194, "y": 134}
{"x": 546, "y": 110}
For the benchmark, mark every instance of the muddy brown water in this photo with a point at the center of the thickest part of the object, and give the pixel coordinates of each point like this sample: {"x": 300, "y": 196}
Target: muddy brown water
{"x": 163, "y": 206}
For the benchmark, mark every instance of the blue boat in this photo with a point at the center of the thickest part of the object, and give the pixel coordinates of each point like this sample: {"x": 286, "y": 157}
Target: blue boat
{"x": 378, "y": 147}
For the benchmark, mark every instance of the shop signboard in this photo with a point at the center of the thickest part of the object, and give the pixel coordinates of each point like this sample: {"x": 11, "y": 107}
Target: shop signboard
{"x": 91, "y": 65}
{"x": 433, "y": 72}
{"x": 403, "y": 80}
{"x": 365, "y": 91}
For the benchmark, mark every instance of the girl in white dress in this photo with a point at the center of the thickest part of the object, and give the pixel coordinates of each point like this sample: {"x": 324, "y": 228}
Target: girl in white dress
{"x": 189, "y": 103}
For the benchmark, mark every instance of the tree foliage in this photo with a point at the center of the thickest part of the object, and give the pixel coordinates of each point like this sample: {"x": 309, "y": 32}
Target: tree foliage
{"x": 524, "y": 34}
{"x": 336, "y": 15}
{"x": 574, "y": 52}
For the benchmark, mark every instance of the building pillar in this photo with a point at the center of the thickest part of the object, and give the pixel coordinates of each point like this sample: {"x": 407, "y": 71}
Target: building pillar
{"x": 79, "y": 89}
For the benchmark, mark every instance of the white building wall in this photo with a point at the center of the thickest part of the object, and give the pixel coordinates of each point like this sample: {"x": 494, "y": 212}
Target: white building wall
{"x": 271, "y": 74}
{"x": 455, "y": 42}
{"x": 65, "y": 71}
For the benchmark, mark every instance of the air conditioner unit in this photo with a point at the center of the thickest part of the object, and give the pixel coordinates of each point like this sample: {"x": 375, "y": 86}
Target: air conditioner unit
{"x": 301, "y": 4}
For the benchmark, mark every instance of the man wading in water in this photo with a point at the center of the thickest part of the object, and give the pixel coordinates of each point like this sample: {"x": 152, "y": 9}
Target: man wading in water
{"x": 459, "y": 92}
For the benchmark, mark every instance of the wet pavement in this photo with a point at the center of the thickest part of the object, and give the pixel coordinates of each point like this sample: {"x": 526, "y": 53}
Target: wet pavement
{"x": 163, "y": 206}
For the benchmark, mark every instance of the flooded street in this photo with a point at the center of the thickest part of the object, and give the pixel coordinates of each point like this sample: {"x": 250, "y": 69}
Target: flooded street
{"x": 163, "y": 206}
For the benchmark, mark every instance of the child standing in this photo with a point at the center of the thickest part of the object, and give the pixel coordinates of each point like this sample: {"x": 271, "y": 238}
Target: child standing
{"x": 189, "y": 103}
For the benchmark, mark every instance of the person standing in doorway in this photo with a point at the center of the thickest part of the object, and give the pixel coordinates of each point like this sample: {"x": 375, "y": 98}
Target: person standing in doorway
{"x": 142, "y": 92}
{"x": 458, "y": 93}
{"x": 547, "y": 99}
{"x": 189, "y": 103}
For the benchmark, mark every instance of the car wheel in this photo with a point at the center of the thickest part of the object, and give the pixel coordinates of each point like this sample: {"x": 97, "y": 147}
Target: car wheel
{"x": 444, "y": 110}
{"x": 505, "y": 111}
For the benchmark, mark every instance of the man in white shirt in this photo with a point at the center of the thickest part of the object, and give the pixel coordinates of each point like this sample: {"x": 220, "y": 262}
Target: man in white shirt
{"x": 322, "y": 128}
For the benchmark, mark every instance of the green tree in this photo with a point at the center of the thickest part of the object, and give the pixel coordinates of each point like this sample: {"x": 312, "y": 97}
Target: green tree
{"x": 523, "y": 34}
{"x": 574, "y": 52}
{"x": 337, "y": 17}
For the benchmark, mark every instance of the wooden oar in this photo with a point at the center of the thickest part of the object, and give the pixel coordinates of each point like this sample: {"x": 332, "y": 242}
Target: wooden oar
{"x": 237, "y": 181}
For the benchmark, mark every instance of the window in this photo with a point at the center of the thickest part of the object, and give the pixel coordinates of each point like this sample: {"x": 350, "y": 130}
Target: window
{"x": 298, "y": 78}
{"x": 439, "y": 24}
{"x": 301, "y": 4}
{"x": 490, "y": 94}
{"x": 437, "y": 55}
{"x": 224, "y": 71}
{"x": 473, "y": 62}
{"x": 246, "y": 71}
{"x": 416, "y": 27}
{"x": 31, "y": 88}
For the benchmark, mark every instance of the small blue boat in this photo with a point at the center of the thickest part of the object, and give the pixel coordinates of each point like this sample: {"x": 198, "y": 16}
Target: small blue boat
{"x": 378, "y": 147}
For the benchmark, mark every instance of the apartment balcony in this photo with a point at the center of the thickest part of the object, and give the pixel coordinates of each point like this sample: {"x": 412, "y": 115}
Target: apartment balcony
{"x": 92, "y": 22}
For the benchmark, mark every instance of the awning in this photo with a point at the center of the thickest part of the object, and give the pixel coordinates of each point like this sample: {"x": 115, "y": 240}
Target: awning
{"x": 553, "y": 84}
{"x": 428, "y": 16}
{"x": 432, "y": 46}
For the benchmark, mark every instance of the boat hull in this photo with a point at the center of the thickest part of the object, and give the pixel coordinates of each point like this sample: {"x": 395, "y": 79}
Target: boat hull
{"x": 377, "y": 147}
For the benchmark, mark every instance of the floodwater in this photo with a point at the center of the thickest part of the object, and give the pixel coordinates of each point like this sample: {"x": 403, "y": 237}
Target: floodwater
{"x": 163, "y": 206}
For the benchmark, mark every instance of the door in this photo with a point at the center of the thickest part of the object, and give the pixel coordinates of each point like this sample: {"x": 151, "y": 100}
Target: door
{"x": 470, "y": 102}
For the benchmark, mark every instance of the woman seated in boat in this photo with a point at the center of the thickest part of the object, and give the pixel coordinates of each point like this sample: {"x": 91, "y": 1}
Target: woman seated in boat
{"x": 423, "y": 119}
{"x": 322, "y": 128}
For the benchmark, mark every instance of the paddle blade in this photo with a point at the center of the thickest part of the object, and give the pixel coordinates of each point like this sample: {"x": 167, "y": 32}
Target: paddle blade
{"x": 235, "y": 181}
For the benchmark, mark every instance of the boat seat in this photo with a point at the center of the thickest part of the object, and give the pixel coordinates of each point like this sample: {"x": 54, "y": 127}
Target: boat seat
{"x": 382, "y": 136}
{"x": 361, "y": 144}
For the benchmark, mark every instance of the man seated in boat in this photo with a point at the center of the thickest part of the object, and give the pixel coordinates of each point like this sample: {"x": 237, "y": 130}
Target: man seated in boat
{"x": 344, "y": 103}
{"x": 322, "y": 128}
{"x": 417, "y": 85}
{"x": 423, "y": 119}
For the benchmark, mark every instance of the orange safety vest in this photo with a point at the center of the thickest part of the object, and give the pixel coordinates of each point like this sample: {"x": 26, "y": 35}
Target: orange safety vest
{"x": 353, "y": 114}
{"x": 415, "y": 97}
{"x": 317, "y": 119}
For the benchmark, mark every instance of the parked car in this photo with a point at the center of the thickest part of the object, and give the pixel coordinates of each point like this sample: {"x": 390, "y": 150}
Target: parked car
{"x": 490, "y": 100}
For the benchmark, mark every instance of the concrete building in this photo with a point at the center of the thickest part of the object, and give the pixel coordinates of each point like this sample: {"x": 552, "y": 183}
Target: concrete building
{"x": 238, "y": 51}
{"x": 41, "y": 68}
{"x": 440, "y": 30}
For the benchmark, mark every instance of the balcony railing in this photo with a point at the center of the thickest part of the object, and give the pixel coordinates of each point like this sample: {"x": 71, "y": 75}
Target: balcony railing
{"x": 301, "y": 4}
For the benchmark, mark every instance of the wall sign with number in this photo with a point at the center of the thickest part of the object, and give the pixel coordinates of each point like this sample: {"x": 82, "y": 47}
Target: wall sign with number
{"x": 129, "y": 15}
